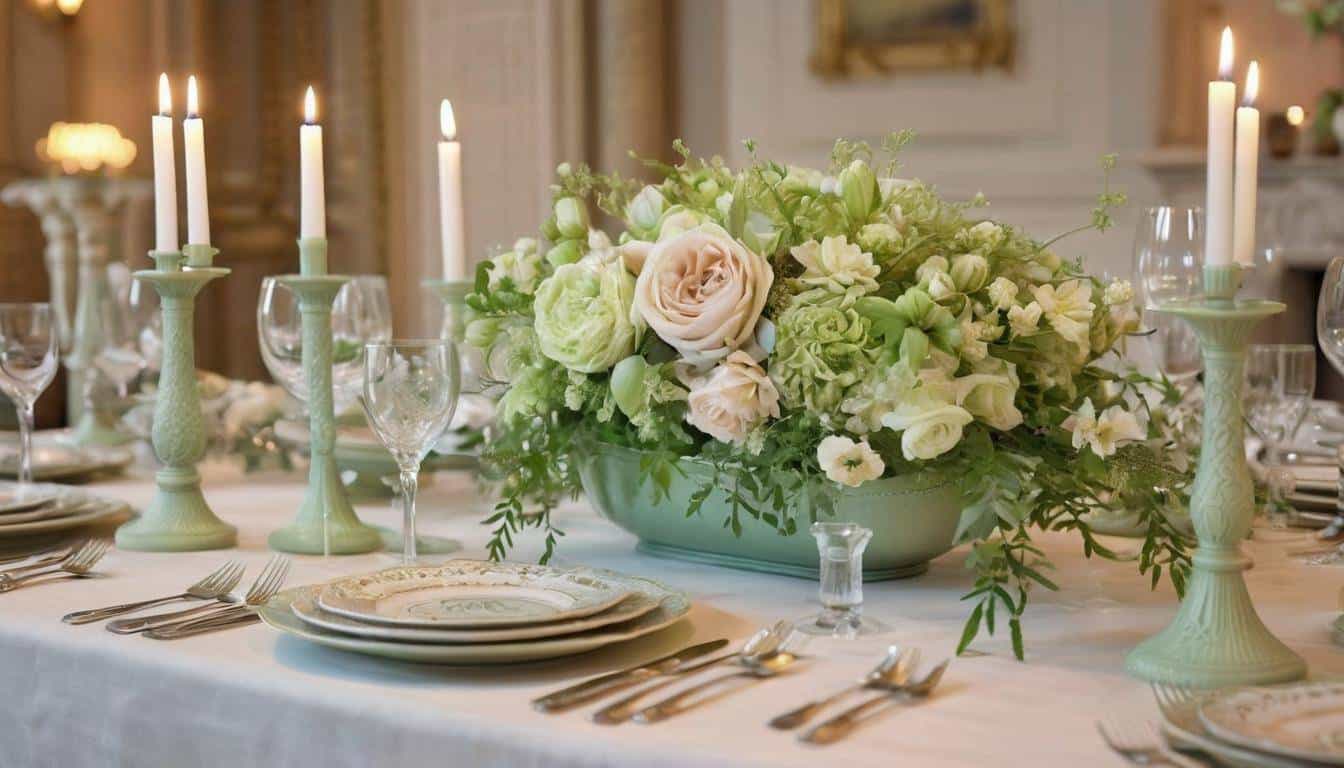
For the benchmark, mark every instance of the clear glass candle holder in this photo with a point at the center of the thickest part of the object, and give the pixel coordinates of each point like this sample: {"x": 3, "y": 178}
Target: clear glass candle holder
{"x": 840, "y": 549}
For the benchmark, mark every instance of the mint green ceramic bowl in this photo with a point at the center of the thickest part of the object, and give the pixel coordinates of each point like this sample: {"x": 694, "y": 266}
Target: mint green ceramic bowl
{"x": 913, "y": 519}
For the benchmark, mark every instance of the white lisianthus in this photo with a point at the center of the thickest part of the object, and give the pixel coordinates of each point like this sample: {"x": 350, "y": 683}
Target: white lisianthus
{"x": 969, "y": 272}
{"x": 645, "y": 211}
{"x": 989, "y": 393}
{"x": 847, "y": 462}
{"x": 1003, "y": 292}
{"x": 836, "y": 266}
{"x": 1068, "y": 308}
{"x": 1119, "y": 292}
{"x": 521, "y": 265}
{"x": 1023, "y": 321}
{"x": 732, "y": 400}
{"x": 929, "y": 426}
{"x": 677, "y": 220}
{"x": 702, "y": 293}
{"x": 1102, "y": 433}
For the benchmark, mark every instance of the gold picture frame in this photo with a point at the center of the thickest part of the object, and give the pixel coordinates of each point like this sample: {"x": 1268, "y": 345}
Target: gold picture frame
{"x": 876, "y": 38}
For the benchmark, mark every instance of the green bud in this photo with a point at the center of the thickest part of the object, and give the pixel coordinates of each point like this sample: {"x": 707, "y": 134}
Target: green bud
{"x": 644, "y": 212}
{"x": 878, "y": 238}
{"x": 627, "y": 384}
{"x": 858, "y": 189}
{"x": 969, "y": 272}
{"x": 564, "y": 252}
{"x": 571, "y": 217}
{"x": 549, "y": 230}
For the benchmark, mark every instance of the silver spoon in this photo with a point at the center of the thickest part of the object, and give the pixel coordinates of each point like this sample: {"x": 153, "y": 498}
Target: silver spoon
{"x": 840, "y": 726}
{"x": 890, "y": 675}
{"x": 756, "y": 667}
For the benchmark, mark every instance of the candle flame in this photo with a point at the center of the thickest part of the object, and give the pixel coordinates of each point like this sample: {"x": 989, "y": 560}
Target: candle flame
{"x": 310, "y": 106}
{"x": 1225, "y": 51}
{"x": 1252, "y": 85}
{"x": 1296, "y": 115}
{"x": 446, "y": 122}
{"x": 193, "y": 101}
{"x": 165, "y": 95}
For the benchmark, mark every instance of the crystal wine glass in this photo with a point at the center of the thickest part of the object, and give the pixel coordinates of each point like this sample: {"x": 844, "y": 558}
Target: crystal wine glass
{"x": 1280, "y": 381}
{"x": 1168, "y": 265}
{"x": 410, "y": 392}
{"x": 119, "y": 358}
{"x": 1330, "y": 336}
{"x": 143, "y": 310}
{"x": 28, "y": 360}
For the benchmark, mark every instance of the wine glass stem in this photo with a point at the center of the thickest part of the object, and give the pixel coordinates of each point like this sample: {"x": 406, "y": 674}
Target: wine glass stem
{"x": 409, "y": 479}
{"x": 25, "y": 442}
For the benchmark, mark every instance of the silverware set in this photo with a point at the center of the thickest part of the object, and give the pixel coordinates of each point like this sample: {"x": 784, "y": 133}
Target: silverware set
{"x": 764, "y": 655}
{"x": 223, "y": 608}
{"x": 73, "y": 562}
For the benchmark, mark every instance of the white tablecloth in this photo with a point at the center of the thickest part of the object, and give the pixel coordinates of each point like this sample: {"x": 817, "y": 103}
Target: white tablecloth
{"x": 80, "y": 696}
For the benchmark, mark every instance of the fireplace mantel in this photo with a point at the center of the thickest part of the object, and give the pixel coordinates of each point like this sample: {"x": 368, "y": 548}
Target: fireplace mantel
{"x": 1301, "y": 206}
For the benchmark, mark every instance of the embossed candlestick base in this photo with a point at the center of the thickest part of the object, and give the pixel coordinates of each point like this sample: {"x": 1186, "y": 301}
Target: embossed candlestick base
{"x": 1217, "y": 638}
{"x": 326, "y": 523}
{"x": 178, "y": 517}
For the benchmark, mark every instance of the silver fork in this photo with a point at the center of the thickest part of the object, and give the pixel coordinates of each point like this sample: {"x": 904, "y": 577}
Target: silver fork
{"x": 1140, "y": 744}
{"x": 892, "y": 672}
{"x": 76, "y": 566}
{"x": 265, "y": 586}
{"x": 219, "y": 582}
{"x": 840, "y": 726}
{"x": 44, "y": 559}
{"x": 235, "y": 615}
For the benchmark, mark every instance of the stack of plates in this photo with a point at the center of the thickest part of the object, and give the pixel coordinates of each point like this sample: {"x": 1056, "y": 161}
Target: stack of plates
{"x": 45, "y": 508}
{"x": 1291, "y": 726}
{"x": 56, "y": 461}
{"x": 476, "y": 612}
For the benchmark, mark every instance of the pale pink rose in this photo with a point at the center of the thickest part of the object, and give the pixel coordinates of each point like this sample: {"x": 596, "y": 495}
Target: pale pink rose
{"x": 702, "y": 292}
{"x": 732, "y": 399}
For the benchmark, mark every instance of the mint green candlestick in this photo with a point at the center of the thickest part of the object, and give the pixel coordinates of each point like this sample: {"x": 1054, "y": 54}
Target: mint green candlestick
{"x": 1217, "y": 639}
{"x": 178, "y": 517}
{"x": 326, "y": 523}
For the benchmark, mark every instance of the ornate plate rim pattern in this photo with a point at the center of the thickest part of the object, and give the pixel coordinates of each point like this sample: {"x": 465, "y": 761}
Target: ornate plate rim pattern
{"x": 1226, "y": 717}
{"x": 310, "y": 612}
{"x": 356, "y": 597}
{"x": 673, "y": 607}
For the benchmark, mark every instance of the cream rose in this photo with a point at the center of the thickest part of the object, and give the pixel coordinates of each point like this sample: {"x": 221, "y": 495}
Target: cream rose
{"x": 929, "y": 426}
{"x": 732, "y": 400}
{"x": 989, "y": 392}
{"x": 702, "y": 293}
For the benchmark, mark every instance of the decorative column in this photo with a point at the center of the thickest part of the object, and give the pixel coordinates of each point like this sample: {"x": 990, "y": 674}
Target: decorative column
{"x": 178, "y": 518}
{"x": 326, "y": 523}
{"x": 1217, "y": 639}
{"x": 88, "y": 204}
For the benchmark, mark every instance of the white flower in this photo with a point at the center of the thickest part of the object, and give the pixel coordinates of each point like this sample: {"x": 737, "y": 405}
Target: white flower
{"x": 732, "y": 400}
{"x": 1003, "y": 292}
{"x": 989, "y": 393}
{"x": 878, "y": 237}
{"x": 829, "y": 185}
{"x": 1119, "y": 292}
{"x": 1068, "y": 308}
{"x": 1103, "y": 434}
{"x": 942, "y": 286}
{"x": 848, "y": 462}
{"x": 645, "y": 210}
{"x": 872, "y": 397}
{"x": 1023, "y": 320}
{"x": 836, "y": 266}
{"x": 986, "y": 235}
{"x": 969, "y": 272}
{"x": 933, "y": 265}
{"x": 702, "y": 292}
{"x": 929, "y": 426}
{"x": 521, "y": 265}
{"x": 571, "y": 217}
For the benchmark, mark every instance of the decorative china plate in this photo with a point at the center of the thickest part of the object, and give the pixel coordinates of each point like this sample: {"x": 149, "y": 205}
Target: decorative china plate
{"x": 54, "y": 461}
{"x": 628, "y": 609}
{"x": 1183, "y": 728}
{"x": 471, "y": 593}
{"x": 72, "y": 510}
{"x": 16, "y": 498}
{"x": 672, "y": 606}
{"x": 1304, "y": 721}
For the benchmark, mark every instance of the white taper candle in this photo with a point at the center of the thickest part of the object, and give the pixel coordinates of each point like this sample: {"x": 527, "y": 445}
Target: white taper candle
{"x": 450, "y": 196}
{"x": 1248, "y": 168}
{"x": 165, "y": 172}
{"x": 312, "y": 193}
{"x": 1218, "y": 207}
{"x": 193, "y": 144}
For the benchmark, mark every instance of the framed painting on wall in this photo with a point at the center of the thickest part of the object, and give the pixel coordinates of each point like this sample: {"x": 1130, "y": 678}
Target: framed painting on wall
{"x": 874, "y": 38}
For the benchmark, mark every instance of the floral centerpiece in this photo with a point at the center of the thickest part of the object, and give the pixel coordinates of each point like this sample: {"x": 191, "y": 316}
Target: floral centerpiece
{"x": 802, "y": 330}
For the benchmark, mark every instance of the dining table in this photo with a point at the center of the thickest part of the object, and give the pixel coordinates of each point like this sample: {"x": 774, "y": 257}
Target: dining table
{"x": 82, "y": 696}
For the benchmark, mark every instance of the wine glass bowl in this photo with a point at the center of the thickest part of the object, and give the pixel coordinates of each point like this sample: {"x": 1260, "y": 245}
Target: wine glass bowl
{"x": 1280, "y": 382}
{"x": 1168, "y": 266}
{"x": 410, "y": 392}
{"x": 28, "y": 362}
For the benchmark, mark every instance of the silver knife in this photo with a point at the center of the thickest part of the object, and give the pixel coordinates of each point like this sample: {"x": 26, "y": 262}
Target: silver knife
{"x": 588, "y": 690}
